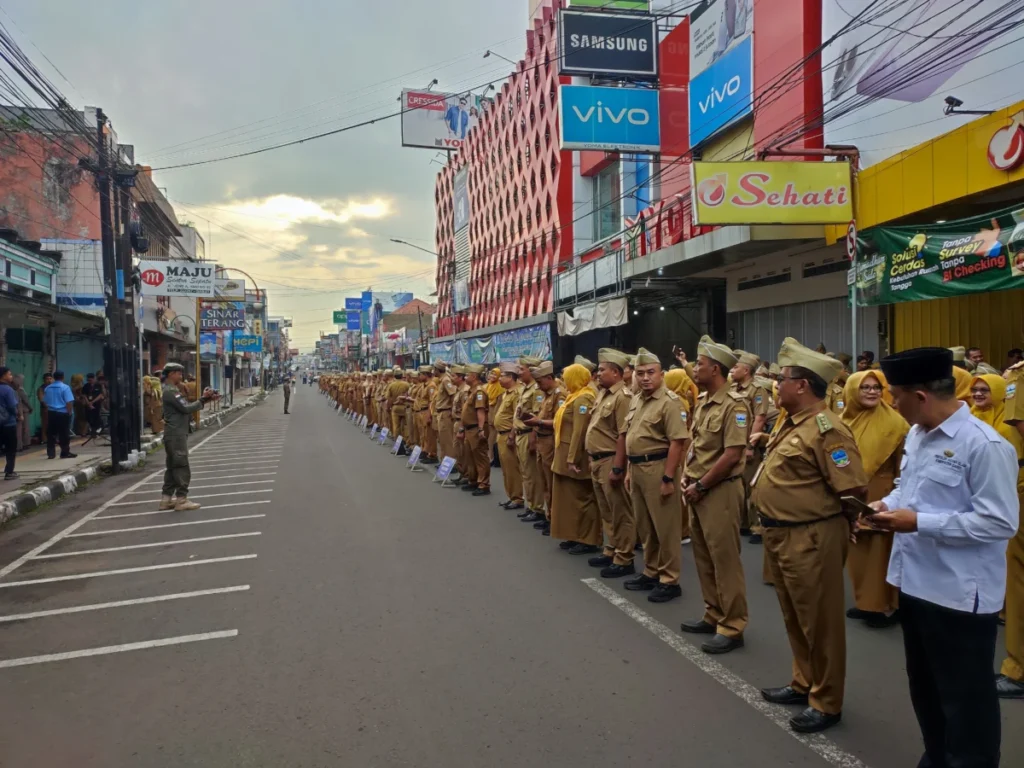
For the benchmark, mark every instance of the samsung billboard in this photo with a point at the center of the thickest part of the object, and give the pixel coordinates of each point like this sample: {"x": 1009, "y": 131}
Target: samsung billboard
{"x": 608, "y": 44}
{"x": 624, "y": 119}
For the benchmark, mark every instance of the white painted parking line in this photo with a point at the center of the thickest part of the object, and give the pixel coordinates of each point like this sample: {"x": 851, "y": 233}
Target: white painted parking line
{"x": 122, "y": 571}
{"x": 818, "y": 743}
{"x": 222, "y": 485}
{"x": 108, "y": 649}
{"x": 269, "y": 463}
{"x": 149, "y": 545}
{"x": 202, "y": 496}
{"x": 159, "y": 480}
{"x": 122, "y": 603}
{"x": 166, "y": 525}
{"x": 176, "y": 512}
{"x": 240, "y": 456}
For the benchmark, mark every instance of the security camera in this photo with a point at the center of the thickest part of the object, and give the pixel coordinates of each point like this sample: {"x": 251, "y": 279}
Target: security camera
{"x": 953, "y": 102}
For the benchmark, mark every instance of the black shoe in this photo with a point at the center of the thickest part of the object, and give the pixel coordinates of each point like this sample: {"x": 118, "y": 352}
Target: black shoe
{"x": 638, "y": 547}
{"x": 584, "y": 549}
{"x": 722, "y": 644}
{"x": 1008, "y": 688}
{"x": 641, "y": 583}
{"x": 482, "y": 492}
{"x": 11, "y": 476}
{"x": 857, "y": 613}
{"x": 699, "y": 627}
{"x": 516, "y": 505}
{"x": 525, "y": 513}
{"x": 69, "y": 455}
{"x": 428, "y": 460}
{"x": 51, "y": 457}
{"x": 567, "y": 545}
{"x": 601, "y": 561}
{"x": 744, "y": 531}
{"x": 541, "y": 524}
{"x": 504, "y": 504}
{"x": 784, "y": 695}
{"x": 533, "y": 517}
{"x": 665, "y": 592}
{"x": 546, "y": 531}
{"x": 755, "y": 538}
{"x": 813, "y": 721}
{"x": 883, "y": 621}
{"x": 617, "y": 571}
{"x": 468, "y": 487}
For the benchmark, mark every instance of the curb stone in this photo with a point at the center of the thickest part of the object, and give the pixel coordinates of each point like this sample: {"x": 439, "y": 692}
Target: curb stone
{"x": 65, "y": 485}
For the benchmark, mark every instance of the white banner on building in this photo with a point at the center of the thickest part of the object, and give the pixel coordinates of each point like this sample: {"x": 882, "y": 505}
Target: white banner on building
{"x": 439, "y": 120}
{"x": 715, "y": 29}
{"x": 178, "y": 278}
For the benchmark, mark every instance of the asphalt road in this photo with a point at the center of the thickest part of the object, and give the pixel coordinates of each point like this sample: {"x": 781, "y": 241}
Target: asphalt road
{"x": 327, "y": 607}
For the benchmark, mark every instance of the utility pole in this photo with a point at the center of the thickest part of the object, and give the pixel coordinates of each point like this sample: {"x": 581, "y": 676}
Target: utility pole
{"x": 114, "y": 317}
{"x": 424, "y": 352}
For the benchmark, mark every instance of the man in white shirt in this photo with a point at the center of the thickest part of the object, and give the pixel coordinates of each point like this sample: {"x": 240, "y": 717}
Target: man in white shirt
{"x": 953, "y": 510}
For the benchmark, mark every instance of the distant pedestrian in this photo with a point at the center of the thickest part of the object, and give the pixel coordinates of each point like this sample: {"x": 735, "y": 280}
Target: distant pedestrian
{"x": 44, "y": 414}
{"x": 59, "y": 406}
{"x": 287, "y": 393}
{"x": 24, "y": 411}
{"x": 8, "y": 422}
{"x": 92, "y": 399}
{"x": 953, "y": 512}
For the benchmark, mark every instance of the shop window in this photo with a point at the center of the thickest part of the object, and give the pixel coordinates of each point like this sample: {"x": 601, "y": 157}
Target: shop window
{"x": 24, "y": 339}
{"x": 607, "y": 191}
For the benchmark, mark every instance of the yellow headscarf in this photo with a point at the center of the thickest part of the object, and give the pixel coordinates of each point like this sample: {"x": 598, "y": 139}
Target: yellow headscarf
{"x": 494, "y": 388}
{"x": 576, "y": 378}
{"x": 879, "y": 431}
{"x": 993, "y": 416}
{"x": 963, "y": 384}
{"x": 679, "y": 382}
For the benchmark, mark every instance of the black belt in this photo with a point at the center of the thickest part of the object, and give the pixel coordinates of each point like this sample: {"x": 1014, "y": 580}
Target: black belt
{"x": 545, "y": 434}
{"x": 466, "y": 428}
{"x": 523, "y": 431}
{"x": 769, "y": 522}
{"x": 648, "y": 457}
{"x": 505, "y": 432}
{"x": 422, "y": 410}
{"x": 599, "y": 456}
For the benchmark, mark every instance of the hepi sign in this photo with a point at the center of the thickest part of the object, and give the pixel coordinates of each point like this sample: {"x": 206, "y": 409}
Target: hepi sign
{"x": 1006, "y": 147}
{"x": 177, "y": 278}
{"x": 771, "y": 193}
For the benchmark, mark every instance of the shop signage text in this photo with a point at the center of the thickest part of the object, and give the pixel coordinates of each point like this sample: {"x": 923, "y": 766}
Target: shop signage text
{"x": 247, "y": 343}
{"x": 177, "y": 278}
{"x": 771, "y": 193}
{"x": 222, "y": 316}
{"x": 608, "y": 44}
{"x": 609, "y": 118}
{"x": 1006, "y": 147}
{"x": 723, "y": 93}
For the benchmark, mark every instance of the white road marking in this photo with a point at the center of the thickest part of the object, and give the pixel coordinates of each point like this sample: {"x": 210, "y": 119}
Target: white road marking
{"x": 222, "y": 485}
{"x": 165, "y": 525}
{"x": 159, "y": 481}
{"x": 121, "y": 571}
{"x": 108, "y": 649}
{"x": 122, "y": 603}
{"x": 106, "y": 505}
{"x": 263, "y": 453}
{"x": 201, "y": 496}
{"x": 273, "y": 462}
{"x": 818, "y": 743}
{"x": 149, "y": 545}
{"x": 174, "y": 511}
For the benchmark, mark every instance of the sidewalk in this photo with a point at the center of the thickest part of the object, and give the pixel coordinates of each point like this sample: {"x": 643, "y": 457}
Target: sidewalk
{"x": 34, "y": 468}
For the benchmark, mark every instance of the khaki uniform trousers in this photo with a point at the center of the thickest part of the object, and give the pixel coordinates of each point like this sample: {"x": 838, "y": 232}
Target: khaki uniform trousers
{"x": 397, "y": 423}
{"x": 533, "y": 483}
{"x": 464, "y": 461}
{"x": 510, "y": 468}
{"x": 748, "y": 514}
{"x": 1013, "y": 665}
{"x": 411, "y": 435}
{"x": 479, "y": 456}
{"x": 715, "y": 537}
{"x": 616, "y": 512}
{"x": 423, "y": 433}
{"x": 445, "y": 434}
{"x": 545, "y": 457}
{"x": 807, "y": 569}
{"x": 868, "y": 564}
{"x": 657, "y": 521}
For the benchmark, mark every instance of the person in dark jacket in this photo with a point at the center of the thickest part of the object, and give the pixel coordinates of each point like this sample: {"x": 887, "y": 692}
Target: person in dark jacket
{"x": 9, "y": 416}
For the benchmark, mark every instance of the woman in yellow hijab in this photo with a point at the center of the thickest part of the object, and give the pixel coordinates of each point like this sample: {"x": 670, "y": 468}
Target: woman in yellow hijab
{"x": 575, "y": 517}
{"x": 880, "y": 432}
{"x": 988, "y": 404}
{"x": 494, "y": 392}
{"x": 963, "y": 379}
{"x": 678, "y": 381}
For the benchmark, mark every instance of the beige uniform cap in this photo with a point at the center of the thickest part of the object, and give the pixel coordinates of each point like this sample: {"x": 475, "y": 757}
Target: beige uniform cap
{"x": 793, "y": 353}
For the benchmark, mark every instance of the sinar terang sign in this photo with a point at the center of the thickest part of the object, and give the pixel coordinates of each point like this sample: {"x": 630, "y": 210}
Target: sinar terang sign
{"x": 608, "y": 44}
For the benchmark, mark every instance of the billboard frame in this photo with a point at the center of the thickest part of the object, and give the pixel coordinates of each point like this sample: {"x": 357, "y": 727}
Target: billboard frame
{"x": 563, "y": 56}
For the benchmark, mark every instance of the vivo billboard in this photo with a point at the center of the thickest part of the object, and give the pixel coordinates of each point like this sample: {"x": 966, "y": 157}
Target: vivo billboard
{"x": 608, "y": 44}
{"x": 723, "y": 93}
{"x": 609, "y": 119}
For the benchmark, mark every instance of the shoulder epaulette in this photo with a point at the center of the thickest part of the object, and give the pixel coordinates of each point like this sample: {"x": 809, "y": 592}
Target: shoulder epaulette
{"x": 824, "y": 423}
{"x": 736, "y": 395}
{"x": 671, "y": 395}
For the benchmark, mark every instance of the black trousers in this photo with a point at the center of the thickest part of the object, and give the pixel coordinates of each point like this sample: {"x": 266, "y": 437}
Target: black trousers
{"x": 9, "y": 443}
{"x": 58, "y": 427}
{"x": 949, "y": 664}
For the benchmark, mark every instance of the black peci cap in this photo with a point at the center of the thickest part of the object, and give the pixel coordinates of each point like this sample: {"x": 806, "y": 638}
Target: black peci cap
{"x": 918, "y": 366}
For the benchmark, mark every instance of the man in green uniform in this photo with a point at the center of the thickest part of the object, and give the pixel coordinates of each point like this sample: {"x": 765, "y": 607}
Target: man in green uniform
{"x": 177, "y": 417}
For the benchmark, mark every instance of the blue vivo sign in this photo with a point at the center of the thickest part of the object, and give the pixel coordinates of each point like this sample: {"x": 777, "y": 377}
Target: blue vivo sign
{"x": 723, "y": 93}
{"x": 354, "y": 305}
{"x": 352, "y": 321}
{"x": 609, "y": 118}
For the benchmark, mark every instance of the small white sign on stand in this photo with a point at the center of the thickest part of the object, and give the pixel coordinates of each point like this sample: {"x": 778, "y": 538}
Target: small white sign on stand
{"x": 383, "y": 435}
{"x": 414, "y": 459}
{"x": 397, "y": 446}
{"x": 444, "y": 471}
{"x": 373, "y": 432}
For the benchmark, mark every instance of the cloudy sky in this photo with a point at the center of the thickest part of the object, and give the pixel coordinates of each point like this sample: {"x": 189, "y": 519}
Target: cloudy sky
{"x": 185, "y": 80}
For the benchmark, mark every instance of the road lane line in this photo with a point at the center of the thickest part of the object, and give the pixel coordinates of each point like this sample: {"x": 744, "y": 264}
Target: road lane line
{"x": 122, "y": 571}
{"x": 122, "y": 603}
{"x": 818, "y": 743}
{"x": 271, "y": 463}
{"x": 222, "y": 485}
{"x": 174, "y": 511}
{"x": 164, "y": 525}
{"x": 160, "y": 480}
{"x": 201, "y": 496}
{"x": 262, "y": 453}
{"x": 106, "y": 505}
{"x": 149, "y": 545}
{"x": 108, "y": 649}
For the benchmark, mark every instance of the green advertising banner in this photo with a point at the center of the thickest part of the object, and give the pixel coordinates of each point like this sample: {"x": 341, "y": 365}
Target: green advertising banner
{"x": 340, "y": 317}
{"x": 934, "y": 261}
{"x": 617, "y": 5}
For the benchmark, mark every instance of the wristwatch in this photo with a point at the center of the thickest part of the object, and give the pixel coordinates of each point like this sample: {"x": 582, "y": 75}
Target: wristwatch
{"x": 700, "y": 487}
{"x": 667, "y": 478}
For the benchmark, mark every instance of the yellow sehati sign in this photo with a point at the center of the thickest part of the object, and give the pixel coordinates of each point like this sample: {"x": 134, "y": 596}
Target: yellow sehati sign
{"x": 771, "y": 193}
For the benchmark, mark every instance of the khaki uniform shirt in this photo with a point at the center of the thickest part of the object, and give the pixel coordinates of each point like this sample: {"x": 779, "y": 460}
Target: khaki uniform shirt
{"x": 810, "y": 462}
{"x": 530, "y": 399}
{"x": 476, "y": 399}
{"x": 758, "y": 399}
{"x": 721, "y": 421}
{"x": 505, "y": 415}
{"x": 420, "y": 398}
{"x": 430, "y": 390}
{"x": 444, "y": 394}
{"x": 834, "y": 398}
{"x": 397, "y": 389}
{"x": 575, "y": 421}
{"x": 652, "y": 423}
{"x": 549, "y": 404}
{"x": 605, "y": 426}
{"x": 1014, "y": 394}
{"x": 461, "y": 392}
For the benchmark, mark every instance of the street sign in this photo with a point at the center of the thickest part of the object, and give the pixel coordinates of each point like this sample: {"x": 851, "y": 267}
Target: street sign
{"x": 851, "y": 241}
